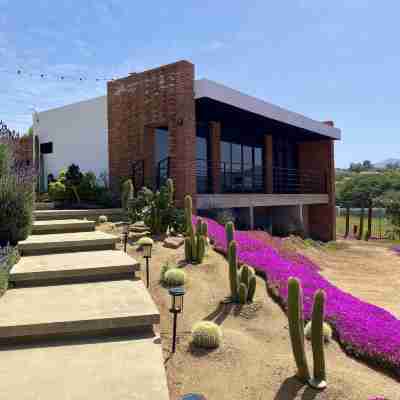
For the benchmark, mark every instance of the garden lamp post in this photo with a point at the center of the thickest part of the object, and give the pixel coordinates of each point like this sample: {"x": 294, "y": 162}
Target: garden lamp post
{"x": 147, "y": 244}
{"x": 176, "y": 294}
{"x": 125, "y": 234}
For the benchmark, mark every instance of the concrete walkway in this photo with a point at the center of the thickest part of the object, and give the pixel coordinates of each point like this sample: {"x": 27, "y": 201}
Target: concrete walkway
{"x": 78, "y": 324}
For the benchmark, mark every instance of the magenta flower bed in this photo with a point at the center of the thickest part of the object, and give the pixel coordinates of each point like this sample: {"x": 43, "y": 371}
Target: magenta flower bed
{"x": 364, "y": 330}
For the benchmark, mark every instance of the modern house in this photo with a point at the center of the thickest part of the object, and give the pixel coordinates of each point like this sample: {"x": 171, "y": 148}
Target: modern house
{"x": 225, "y": 148}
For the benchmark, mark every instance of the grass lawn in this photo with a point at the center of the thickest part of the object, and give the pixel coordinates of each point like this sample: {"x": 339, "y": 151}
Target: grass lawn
{"x": 379, "y": 225}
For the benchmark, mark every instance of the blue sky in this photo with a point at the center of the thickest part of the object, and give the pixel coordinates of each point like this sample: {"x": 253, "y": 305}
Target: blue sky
{"x": 328, "y": 60}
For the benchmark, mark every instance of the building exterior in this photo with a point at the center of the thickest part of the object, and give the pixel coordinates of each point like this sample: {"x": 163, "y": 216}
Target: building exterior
{"x": 228, "y": 150}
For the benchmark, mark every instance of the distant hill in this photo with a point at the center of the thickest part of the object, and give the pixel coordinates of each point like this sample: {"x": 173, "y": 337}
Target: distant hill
{"x": 385, "y": 163}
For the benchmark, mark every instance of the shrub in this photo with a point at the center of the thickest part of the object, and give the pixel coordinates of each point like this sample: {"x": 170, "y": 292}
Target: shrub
{"x": 206, "y": 334}
{"x": 57, "y": 191}
{"x": 174, "y": 277}
{"x": 103, "y": 219}
{"x": 73, "y": 178}
{"x": 16, "y": 193}
{"x": 326, "y": 331}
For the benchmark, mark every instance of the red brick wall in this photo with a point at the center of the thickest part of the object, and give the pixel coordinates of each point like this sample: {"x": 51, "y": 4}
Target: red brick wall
{"x": 319, "y": 155}
{"x": 24, "y": 149}
{"x": 137, "y": 104}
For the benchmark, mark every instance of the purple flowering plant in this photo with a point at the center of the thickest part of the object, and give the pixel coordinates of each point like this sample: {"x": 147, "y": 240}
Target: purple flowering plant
{"x": 364, "y": 330}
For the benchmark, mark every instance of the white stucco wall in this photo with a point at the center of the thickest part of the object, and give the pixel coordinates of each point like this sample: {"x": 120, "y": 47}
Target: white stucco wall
{"x": 79, "y": 135}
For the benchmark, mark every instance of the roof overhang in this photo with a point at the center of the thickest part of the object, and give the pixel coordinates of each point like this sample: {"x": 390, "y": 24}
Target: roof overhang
{"x": 224, "y": 94}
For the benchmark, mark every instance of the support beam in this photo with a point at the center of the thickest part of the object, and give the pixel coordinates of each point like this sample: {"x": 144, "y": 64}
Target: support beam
{"x": 215, "y": 156}
{"x": 251, "y": 210}
{"x": 268, "y": 164}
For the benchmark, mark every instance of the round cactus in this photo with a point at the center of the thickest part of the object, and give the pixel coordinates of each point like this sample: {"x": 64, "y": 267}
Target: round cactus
{"x": 326, "y": 331}
{"x": 103, "y": 219}
{"x": 174, "y": 277}
{"x": 206, "y": 334}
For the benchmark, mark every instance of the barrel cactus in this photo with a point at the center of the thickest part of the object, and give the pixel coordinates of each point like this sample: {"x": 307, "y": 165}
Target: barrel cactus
{"x": 206, "y": 334}
{"x": 102, "y": 219}
{"x": 174, "y": 277}
{"x": 326, "y": 331}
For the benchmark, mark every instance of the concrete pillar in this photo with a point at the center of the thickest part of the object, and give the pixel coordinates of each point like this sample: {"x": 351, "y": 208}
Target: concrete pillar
{"x": 268, "y": 164}
{"x": 215, "y": 156}
{"x": 251, "y": 211}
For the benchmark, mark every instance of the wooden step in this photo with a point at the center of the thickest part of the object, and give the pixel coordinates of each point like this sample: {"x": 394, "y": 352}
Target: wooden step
{"x": 62, "y": 226}
{"x": 116, "y": 368}
{"x": 73, "y": 267}
{"x": 39, "y": 312}
{"x": 67, "y": 242}
{"x": 113, "y": 214}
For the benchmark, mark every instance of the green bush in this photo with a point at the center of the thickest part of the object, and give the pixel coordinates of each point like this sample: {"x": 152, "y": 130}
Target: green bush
{"x": 174, "y": 277}
{"x": 57, "y": 191}
{"x": 206, "y": 334}
{"x": 16, "y": 200}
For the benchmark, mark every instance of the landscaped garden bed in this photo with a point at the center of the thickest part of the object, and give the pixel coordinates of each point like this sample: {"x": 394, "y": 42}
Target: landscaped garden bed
{"x": 364, "y": 330}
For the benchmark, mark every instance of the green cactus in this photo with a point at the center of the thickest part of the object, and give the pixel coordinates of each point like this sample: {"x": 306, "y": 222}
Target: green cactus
{"x": 252, "y": 288}
{"x": 230, "y": 232}
{"x": 233, "y": 270}
{"x": 127, "y": 193}
{"x": 171, "y": 190}
{"x": 196, "y": 240}
{"x": 243, "y": 292}
{"x": 245, "y": 275}
{"x": 206, "y": 334}
{"x": 296, "y": 328}
{"x": 317, "y": 341}
{"x": 188, "y": 250}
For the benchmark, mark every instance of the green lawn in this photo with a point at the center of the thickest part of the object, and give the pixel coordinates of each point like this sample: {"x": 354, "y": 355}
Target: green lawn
{"x": 379, "y": 225}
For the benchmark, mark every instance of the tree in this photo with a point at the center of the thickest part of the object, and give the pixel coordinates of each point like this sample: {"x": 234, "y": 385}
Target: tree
{"x": 367, "y": 165}
{"x": 73, "y": 178}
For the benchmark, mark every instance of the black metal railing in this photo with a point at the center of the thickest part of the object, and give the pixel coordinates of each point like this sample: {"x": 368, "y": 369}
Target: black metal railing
{"x": 235, "y": 178}
{"x": 289, "y": 180}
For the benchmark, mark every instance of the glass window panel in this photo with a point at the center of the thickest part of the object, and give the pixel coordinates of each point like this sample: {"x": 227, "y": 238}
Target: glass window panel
{"x": 161, "y": 145}
{"x": 225, "y": 152}
{"x": 201, "y": 148}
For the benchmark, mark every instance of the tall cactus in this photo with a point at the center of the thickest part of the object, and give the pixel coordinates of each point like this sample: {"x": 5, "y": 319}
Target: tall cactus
{"x": 246, "y": 275}
{"x": 296, "y": 328}
{"x": 230, "y": 233}
{"x": 196, "y": 240}
{"x": 317, "y": 341}
{"x": 233, "y": 270}
{"x": 171, "y": 191}
{"x": 127, "y": 193}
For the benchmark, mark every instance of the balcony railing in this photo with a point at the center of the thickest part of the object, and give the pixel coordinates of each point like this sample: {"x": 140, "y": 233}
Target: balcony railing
{"x": 237, "y": 178}
{"x": 288, "y": 180}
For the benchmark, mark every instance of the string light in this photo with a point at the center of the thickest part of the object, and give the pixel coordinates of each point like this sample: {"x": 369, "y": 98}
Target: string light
{"x": 55, "y": 77}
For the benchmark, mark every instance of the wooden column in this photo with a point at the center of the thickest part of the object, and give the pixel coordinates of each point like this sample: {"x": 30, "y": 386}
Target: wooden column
{"x": 268, "y": 164}
{"x": 215, "y": 156}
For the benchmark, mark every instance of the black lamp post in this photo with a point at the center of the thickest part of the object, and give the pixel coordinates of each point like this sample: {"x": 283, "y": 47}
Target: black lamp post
{"x": 147, "y": 244}
{"x": 177, "y": 294}
{"x": 125, "y": 234}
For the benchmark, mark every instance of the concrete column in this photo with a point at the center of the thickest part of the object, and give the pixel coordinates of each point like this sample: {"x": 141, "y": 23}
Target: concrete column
{"x": 215, "y": 156}
{"x": 268, "y": 164}
{"x": 251, "y": 211}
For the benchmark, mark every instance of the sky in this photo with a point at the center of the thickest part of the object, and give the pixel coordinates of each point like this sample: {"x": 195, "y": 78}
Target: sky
{"x": 327, "y": 60}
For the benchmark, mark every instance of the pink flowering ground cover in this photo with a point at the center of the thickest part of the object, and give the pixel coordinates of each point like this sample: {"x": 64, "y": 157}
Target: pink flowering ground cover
{"x": 364, "y": 330}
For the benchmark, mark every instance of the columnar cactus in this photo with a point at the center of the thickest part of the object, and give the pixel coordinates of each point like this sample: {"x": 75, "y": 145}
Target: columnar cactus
{"x": 195, "y": 242}
{"x": 233, "y": 270}
{"x": 171, "y": 190}
{"x": 127, "y": 193}
{"x": 230, "y": 232}
{"x": 242, "y": 282}
{"x": 317, "y": 341}
{"x": 296, "y": 328}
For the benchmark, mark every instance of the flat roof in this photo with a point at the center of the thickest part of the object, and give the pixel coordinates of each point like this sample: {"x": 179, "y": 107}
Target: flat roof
{"x": 227, "y": 95}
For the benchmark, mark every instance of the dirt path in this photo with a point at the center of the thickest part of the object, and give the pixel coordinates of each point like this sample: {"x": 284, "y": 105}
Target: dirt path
{"x": 368, "y": 270}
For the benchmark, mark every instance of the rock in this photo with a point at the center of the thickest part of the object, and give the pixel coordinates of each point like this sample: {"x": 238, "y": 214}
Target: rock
{"x": 173, "y": 242}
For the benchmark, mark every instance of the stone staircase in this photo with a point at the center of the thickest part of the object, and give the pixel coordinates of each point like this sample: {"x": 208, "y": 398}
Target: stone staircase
{"x": 112, "y": 214}
{"x": 77, "y": 321}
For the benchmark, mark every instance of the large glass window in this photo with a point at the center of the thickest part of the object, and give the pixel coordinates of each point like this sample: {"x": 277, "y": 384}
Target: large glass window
{"x": 161, "y": 145}
{"x": 242, "y": 167}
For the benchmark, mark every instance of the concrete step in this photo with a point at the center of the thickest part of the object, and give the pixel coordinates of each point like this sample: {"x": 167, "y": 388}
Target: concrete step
{"x": 113, "y": 214}
{"x": 42, "y": 205}
{"x": 73, "y": 267}
{"x": 118, "y": 368}
{"x": 34, "y": 313}
{"x": 67, "y": 242}
{"x": 138, "y": 227}
{"x": 62, "y": 226}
